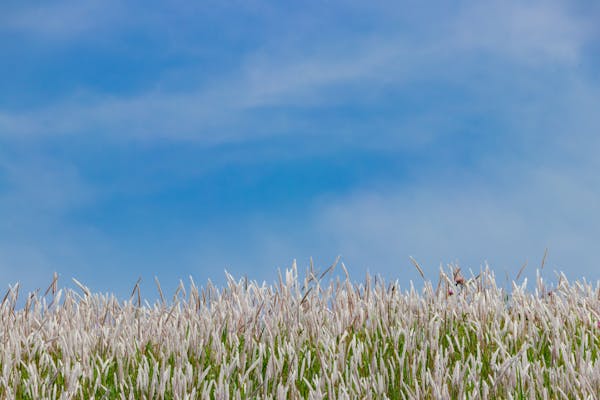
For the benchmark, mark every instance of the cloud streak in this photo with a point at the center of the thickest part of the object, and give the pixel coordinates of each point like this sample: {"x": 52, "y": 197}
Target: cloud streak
{"x": 535, "y": 32}
{"x": 470, "y": 224}
{"x": 314, "y": 77}
{"x": 60, "y": 21}
{"x": 489, "y": 109}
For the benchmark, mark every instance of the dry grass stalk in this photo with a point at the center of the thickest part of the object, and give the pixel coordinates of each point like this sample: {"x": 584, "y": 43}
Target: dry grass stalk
{"x": 292, "y": 340}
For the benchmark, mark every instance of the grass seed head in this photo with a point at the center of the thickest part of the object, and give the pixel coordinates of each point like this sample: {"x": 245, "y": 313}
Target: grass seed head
{"x": 306, "y": 338}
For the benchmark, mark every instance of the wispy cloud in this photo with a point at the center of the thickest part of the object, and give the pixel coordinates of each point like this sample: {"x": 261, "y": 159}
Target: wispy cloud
{"x": 38, "y": 195}
{"x": 59, "y": 20}
{"x": 485, "y": 98}
{"x": 470, "y": 224}
{"x": 504, "y": 209}
{"x": 217, "y": 113}
{"x": 311, "y": 76}
{"x": 532, "y": 32}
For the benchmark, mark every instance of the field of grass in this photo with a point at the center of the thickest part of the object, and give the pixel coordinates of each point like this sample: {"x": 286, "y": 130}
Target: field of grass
{"x": 310, "y": 337}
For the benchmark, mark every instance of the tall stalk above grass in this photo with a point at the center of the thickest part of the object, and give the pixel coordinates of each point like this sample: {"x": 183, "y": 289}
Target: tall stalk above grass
{"x": 311, "y": 337}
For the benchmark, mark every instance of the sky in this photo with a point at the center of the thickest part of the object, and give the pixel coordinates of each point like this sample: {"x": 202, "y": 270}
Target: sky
{"x": 177, "y": 139}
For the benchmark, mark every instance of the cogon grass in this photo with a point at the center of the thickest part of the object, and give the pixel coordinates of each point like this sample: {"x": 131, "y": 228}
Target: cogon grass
{"x": 310, "y": 337}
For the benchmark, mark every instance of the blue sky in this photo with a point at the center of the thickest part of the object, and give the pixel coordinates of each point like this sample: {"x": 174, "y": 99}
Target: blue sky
{"x": 152, "y": 139}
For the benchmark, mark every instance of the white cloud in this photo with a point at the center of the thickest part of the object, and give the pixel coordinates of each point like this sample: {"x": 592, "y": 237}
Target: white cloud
{"x": 533, "y": 32}
{"x": 60, "y": 20}
{"x": 310, "y": 75}
{"x": 218, "y": 113}
{"x": 533, "y": 206}
{"x": 37, "y": 197}
{"x": 505, "y": 209}
{"x": 37, "y": 185}
{"x": 444, "y": 223}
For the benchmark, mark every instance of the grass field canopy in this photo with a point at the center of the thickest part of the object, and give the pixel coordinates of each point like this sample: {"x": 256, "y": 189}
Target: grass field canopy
{"x": 319, "y": 336}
